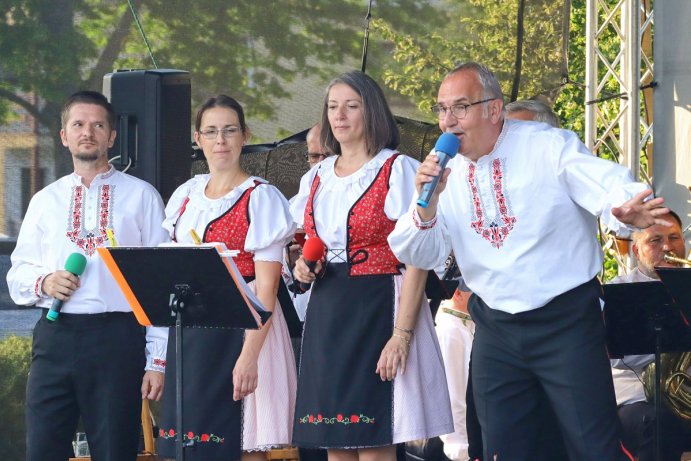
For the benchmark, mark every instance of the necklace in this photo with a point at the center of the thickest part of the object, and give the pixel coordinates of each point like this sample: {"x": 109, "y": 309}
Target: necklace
{"x": 346, "y": 170}
{"x": 214, "y": 191}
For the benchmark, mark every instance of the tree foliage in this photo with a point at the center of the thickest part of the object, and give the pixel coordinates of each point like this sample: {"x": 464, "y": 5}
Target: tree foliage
{"x": 247, "y": 47}
{"x": 484, "y": 31}
{"x": 250, "y": 49}
{"x": 570, "y": 104}
{"x": 15, "y": 356}
{"x": 254, "y": 49}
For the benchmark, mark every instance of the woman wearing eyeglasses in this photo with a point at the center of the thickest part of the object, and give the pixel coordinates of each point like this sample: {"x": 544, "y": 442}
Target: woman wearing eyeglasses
{"x": 371, "y": 372}
{"x": 239, "y": 386}
{"x": 315, "y": 151}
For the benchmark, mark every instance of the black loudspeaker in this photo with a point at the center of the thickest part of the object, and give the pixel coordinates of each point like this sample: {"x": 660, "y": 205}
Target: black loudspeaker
{"x": 154, "y": 125}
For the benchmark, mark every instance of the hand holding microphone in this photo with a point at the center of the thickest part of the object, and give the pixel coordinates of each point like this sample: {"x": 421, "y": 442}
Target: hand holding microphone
{"x": 313, "y": 251}
{"x": 446, "y": 148}
{"x": 61, "y": 284}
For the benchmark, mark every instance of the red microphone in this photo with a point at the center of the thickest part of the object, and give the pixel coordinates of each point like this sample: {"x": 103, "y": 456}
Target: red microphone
{"x": 313, "y": 251}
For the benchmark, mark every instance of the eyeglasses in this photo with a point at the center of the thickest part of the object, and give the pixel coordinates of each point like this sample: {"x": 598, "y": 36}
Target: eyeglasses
{"x": 457, "y": 110}
{"x": 312, "y": 157}
{"x": 225, "y": 133}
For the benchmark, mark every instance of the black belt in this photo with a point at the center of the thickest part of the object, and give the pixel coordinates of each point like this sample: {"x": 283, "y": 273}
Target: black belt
{"x": 91, "y": 320}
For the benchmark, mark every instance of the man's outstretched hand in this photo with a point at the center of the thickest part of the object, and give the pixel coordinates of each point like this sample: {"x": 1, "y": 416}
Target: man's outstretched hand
{"x": 640, "y": 213}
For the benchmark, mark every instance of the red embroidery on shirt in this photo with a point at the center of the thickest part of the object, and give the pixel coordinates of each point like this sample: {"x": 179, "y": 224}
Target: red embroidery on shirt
{"x": 497, "y": 229}
{"x": 421, "y": 224}
{"x": 368, "y": 227}
{"x": 89, "y": 239}
{"x": 37, "y": 286}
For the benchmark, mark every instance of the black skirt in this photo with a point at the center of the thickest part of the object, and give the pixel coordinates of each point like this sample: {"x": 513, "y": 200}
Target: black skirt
{"x": 210, "y": 416}
{"x": 341, "y": 401}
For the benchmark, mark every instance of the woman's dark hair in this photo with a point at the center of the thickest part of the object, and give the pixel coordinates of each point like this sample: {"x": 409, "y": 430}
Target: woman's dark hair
{"x": 221, "y": 100}
{"x": 380, "y": 125}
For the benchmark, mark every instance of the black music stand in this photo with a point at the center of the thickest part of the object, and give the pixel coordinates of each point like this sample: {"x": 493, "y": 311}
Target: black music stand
{"x": 437, "y": 290}
{"x": 647, "y": 318}
{"x": 677, "y": 280}
{"x": 184, "y": 286}
{"x": 288, "y": 307}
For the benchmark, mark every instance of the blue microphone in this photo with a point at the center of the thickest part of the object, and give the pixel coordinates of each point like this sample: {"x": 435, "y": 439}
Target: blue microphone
{"x": 446, "y": 148}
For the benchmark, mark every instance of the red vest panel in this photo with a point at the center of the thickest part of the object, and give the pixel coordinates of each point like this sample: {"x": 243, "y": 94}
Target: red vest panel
{"x": 231, "y": 228}
{"x": 368, "y": 227}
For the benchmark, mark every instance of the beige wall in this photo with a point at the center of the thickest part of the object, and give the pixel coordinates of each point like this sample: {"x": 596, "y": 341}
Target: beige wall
{"x": 672, "y": 101}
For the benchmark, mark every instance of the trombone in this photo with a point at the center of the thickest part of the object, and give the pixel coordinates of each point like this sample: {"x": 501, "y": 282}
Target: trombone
{"x": 674, "y": 259}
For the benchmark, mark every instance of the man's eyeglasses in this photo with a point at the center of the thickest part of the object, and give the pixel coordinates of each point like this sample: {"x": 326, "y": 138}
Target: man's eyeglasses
{"x": 225, "y": 132}
{"x": 312, "y": 157}
{"x": 457, "y": 110}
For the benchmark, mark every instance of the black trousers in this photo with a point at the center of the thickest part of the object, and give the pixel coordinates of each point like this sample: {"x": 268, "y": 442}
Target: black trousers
{"x": 550, "y": 441}
{"x": 559, "y": 348}
{"x": 89, "y": 366}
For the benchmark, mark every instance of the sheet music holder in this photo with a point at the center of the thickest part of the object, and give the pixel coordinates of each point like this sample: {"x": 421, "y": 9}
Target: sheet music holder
{"x": 184, "y": 286}
{"x": 649, "y": 318}
{"x": 285, "y": 298}
{"x": 677, "y": 280}
{"x": 218, "y": 297}
{"x": 631, "y": 312}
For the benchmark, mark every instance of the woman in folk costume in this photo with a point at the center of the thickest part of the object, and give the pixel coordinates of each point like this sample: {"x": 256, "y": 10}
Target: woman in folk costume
{"x": 239, "y": 386}
{"x": 371, "y": 373}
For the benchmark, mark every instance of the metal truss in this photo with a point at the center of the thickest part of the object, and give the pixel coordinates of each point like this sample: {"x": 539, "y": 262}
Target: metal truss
{"x": 619, "y": 81}
{"x": 619, "y": 99}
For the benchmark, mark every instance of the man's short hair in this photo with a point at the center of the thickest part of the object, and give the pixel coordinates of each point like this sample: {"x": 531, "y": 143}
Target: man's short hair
{"x": 675, "y": 217}
{"x": 542, "y": 112}
{"x": 316, "y": 128}
{"x": 490, "y": 84}
{"x": 88, "y": 97}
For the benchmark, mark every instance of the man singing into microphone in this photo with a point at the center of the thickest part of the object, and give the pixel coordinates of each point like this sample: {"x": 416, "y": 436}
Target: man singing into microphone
{"x": 520, "y": 214}
{"x": 94, "y": 361}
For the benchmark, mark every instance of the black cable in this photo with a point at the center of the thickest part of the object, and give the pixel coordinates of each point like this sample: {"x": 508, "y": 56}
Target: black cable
{"x": 365, "y": 44}
{"x": 141, "y": 31}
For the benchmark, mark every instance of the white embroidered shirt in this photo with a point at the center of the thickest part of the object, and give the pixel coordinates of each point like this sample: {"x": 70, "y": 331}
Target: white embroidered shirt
{"x": 67, "y": 217}
{"x": 522, "y": 219}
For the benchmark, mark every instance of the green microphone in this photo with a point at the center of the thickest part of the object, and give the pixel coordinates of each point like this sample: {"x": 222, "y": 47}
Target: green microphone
{"x": 75, "y": 264}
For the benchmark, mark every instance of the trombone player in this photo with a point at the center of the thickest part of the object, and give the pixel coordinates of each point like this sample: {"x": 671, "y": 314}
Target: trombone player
{"x": 656, "y": 246}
